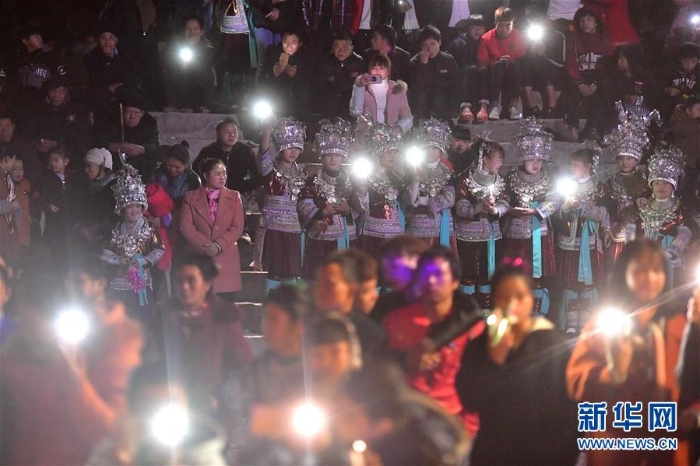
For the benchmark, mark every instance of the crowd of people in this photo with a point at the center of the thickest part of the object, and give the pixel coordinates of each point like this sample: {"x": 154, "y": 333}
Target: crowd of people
{"x": 423, "y": 305}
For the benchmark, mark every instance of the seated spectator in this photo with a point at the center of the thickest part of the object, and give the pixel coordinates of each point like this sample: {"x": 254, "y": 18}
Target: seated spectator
{"x": 616, "y": 20}
{"x": 336, "y": 76}
{"x": 60, "y": 120}
{"x": 36, "y": 67}
{"x": 537, "y": 72}
{"x": 238, "y": 158}
{"x": 286, "y": 76}
{"x": 499, "y": 51}
{"x": 11, "y": 141}
{"x": 175, "y": 174}
{"x": 189, "y": 72}
{"x": 270, "y": 19}
{"x": 585, "y": 55}
{"x": 107, "y": 72}
{"x": 474, "y": 83}
{"x": 136, "y": 138}
{"x": 384, "y": 43}
{"x": 680, "y": 80}
{"x": 434, "y": 77}
{"x": 384, "y": 101}
{"x": 686, "y": 136}
{"x": 460, "y": 153}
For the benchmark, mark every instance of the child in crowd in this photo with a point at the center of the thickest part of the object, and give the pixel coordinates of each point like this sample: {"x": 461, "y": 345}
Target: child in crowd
{"x": 583, "y": 230}
{"x": 23, "y": 191}
{"x": 477, "y": 224}
{"x": 686, "y": 136}
{"x": 135, "y": 246}
{"x": 430, "y": 195}
{"x": 279, "y": 239}
{"x": 323, "y": 207}
{"x": 160, "y": 214}
{"x": 528, "y": 238}
{"x": 680, "y": 81}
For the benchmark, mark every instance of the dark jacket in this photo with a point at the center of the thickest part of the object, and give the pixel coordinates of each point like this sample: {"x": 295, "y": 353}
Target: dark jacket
{"x": 68, "y": 124}
{"x": 440, "y": 74}
{"x": 176, "y": 188}
{"x": 289, "y": 14}
{"x": 37, "y": 67}
{"x": 144, "y": 134}
{"x": 400, "y": 62}
{"x": 103, "y": 71}
{"x": 585, "y": 53}
{"x": 243, "y": 173}
{"x": 290, "y": 92}
{"x": 335, "y": 79}
{"x": 463, "y": 49}
{"x": 686, "y": 135}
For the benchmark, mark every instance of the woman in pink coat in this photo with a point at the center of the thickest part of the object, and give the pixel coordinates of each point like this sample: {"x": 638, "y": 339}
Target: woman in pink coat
{"x": 211, "y": 220}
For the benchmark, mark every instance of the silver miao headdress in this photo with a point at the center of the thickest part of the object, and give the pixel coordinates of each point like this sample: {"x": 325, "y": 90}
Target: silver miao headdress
{"x": 288, "y": 132}
{"x": 334, "y": 137}
{"x": 534, "y": 143}
{"x": 597, "y": 152}
{"x": 485, "y": 147}
{"x": 433, "y": 132}
{"x": 666, "y": 165}
{"x": 631, "y": 136}
{"x": 381, "y": 138}
{"x": 129, "y": 189}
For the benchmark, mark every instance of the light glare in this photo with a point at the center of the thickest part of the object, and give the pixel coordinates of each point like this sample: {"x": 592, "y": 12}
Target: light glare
{"x": 170, "y": 425}
{"x": 535, "y": 32}
{"x": 186, "y": 54}
{"x": 612, "y": 322}
{"x": 566, "y": 187}
{"x": 362, "y": 167}
{"x": 262, "y": 110}
{"x": 308, "y": 420}
{"x": 415, "y": 156}
{"x": 72, "y": 326}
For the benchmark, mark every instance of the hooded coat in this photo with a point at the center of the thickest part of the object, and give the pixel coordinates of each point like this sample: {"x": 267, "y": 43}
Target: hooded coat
{"x": 396, "y": 113}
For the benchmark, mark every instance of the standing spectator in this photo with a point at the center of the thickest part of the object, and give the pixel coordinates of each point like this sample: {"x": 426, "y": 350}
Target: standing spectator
{"x": 585, "y": 54}
{"x": 616, "y": 20}
{"x": 384, "y": 43}
{"x": 336, "y": 76}
{"x": 322, "y": 17}
{"x": 499, "y": 50}
{"x": 287, "y": 73}
{"x": 211, "y": 220}
{"x": 37, "y": 66}
{"x": 474, "y": 82}
{"x": 136, "y": 136}
{"x": 686, "y": 135}
{"x": 680, "y": 80}
{"x": 189, "y": 70}
{"x": 434, "y": 78}
{"x": 384, "y": 101}
{"x": 97, "y": 216}
{"x": 242, "y": 172}
{"x": 371, "y": 13}
{"x": 460, "y": 153}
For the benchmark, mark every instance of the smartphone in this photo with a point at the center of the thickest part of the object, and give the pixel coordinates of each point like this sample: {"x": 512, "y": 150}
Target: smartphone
{"x": 284, "y": 59}
{"x": 375, "y": 78}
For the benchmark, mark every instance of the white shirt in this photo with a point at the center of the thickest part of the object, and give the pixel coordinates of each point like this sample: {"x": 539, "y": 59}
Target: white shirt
{"x": 366, "y": 15}
{"x": 460, "y": 10}
{"x": 562, "y": 9}
{"x": 379, "y": 91}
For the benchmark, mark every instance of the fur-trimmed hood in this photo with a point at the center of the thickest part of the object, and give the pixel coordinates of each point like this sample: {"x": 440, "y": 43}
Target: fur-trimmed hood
{"x": 398, "y": 87}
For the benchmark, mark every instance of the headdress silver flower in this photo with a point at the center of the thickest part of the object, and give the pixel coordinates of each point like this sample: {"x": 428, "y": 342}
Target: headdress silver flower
{"x": 129, "y": 189}
{"x": 485, "y": 146}
{"x": 533, "y": 141}
{"x": 631, "y": 136}
{"x": 597, "y": 152}
{"x": 381, "y": 138}
{"x": 334, "y": 137}
{"x": 666, "y": 165}
{"x": 288, "y": 132}
{"x": 433, "y": 132}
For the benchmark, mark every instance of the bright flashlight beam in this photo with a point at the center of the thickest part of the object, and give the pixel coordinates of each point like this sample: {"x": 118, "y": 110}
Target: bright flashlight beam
{"x": 612, "y": 322}
{"x": 262, "y": 110}
{"x": 186, "y": 54}
{"x": 695, "y": 20}
{"x": 415, "y": 156}
{"x": 72, "y": 326}
{"x": 566, "y": 187}
{"x": 170, "y": 425}
{"x": 535, "y": 32}
{"x": 362, "y": 168}
{"x": 308, "y": 420}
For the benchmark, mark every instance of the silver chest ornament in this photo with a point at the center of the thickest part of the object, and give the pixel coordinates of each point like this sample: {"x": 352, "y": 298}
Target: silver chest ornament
{"x": 381, "y": 184}
{"x": 132, "y": 242}
{"x": 653, "y": 217}
{"x": 294, "y": 180}
{"x": 329, "y": 188}
{"x": 527, "y": 191}
{"x": 433, "y": 180}
{"x": 484, "y": 185}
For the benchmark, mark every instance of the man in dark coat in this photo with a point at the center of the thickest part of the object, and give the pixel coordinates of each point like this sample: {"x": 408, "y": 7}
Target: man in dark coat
{"x": 336, "y": 76}
{"x": 384, "y": 42}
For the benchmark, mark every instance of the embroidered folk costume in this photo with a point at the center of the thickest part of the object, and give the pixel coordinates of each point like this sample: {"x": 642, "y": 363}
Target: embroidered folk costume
{"x": 529, "y": 238}
{"x": 478, "y": 233}
{"x": 431, "y": 195}
{"x": 135, "y": 245}
{"x": 278, "y": 238}
{"x": 380, "y": 214}
{"x": 328, "y": 190}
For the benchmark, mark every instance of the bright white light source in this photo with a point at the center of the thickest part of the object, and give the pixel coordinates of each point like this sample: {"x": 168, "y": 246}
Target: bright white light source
{"x": 567, "y": 187}
{"x": 170, "y": 424}
{"x": 362, "y": 167}
{"x": 308, "y": 420}
{"x": 415, "y": 156}
{"x": 695, "y": 20}
{"x": 262, "y": 110}
{"x": 535, "y": 32}
{"x": 72, "y": 326}
{"x": 612, "y": 322}
{"x": 186, "y": 54}
{"x": 359, "y": 446}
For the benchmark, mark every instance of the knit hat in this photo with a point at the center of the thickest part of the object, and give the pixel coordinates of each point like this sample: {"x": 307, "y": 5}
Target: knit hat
{"x": 99, "y": 156}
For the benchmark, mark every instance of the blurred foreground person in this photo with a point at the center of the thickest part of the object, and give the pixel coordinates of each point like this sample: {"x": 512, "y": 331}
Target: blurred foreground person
{"x": 333, "y": 353}
{"x": 522, "y": 370}
{"x": 386, "y": 422}
{"x": 60, "y": 393}
{"x": 7, "y": 324}
{"x": 689, "y": 378}
{"x": 629, "y": 350}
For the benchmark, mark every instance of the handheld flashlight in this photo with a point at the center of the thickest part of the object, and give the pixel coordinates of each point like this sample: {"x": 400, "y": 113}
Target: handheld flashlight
{"x": 535, "y": 33}
{"x": 695, "y": 20}
{"x": 612, "y": 322}
{"x": 170, "y": 424}
{"x": 567, "y": 187}
{"x": 186, "y": 54}
{"x": 308, "y": 420}
{"x": 415, "y": 156}
{"x": 262, "y": 110}
{"x": 72, "y": 326}
{"x": 362, "y": 167}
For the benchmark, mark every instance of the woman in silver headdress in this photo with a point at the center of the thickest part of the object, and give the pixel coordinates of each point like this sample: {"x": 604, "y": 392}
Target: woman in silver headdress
{"x": 380, "y": 213}
{"x": 583, "y": 230}
{"x": 431, "y": 194}
{"x": 278, "y": 239}
{"x": 664, "y": 219}
{"x": 530, "y": 201}
{"x": 477, "y": 217}
{"x": 324, "y": 211}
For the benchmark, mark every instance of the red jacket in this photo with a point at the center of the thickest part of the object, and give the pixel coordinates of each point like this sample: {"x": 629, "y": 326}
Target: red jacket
{"x": 584, "y": 56}
{"x": 491, "y": 48}
{"x": 159, "y": 205}
{"x": 615, "y": 17}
